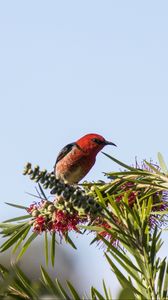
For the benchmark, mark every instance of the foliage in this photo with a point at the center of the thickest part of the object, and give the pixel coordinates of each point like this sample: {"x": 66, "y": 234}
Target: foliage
{"x": 126, "y": 213}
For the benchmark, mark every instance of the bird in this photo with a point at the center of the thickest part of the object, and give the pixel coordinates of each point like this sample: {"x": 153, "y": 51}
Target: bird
{"x": 76, "y": 159}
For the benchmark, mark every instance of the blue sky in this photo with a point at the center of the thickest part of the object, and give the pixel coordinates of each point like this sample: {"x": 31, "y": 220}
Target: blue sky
{"x": 73, "y": 67}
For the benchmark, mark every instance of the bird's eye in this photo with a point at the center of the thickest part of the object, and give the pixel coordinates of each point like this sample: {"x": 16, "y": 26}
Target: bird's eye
{"x": 97, "y": 141}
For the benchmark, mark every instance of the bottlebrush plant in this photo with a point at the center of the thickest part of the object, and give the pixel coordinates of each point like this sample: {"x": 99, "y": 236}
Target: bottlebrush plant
{"x": 127, "y": 214}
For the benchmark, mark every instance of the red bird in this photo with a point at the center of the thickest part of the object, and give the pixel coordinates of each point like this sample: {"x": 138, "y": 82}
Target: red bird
{"x": 76, "y": 159}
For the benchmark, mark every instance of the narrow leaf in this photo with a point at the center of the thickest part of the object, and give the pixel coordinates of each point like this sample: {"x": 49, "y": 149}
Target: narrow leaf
{"x": 92, "y": 228}
{"x": 61, "y": 289}
{"x": 46, "y": 247}
{"x": 100, "y": 297}
{"x": 21, "y": 239}
{"x": 48, "y": 282}
{"x": 126, "y": 293}
{"x": 122, "y": 279}
{"x": 26, "y": 282}
{"x": 152, "y": 167}
{"x": 162, "y": 163}
{"x": 124, "y": 257}
{"x": 27, "y": 244}
{"x": 73, "y": 291}
{"x": 53, "y": 241}
{"x": 42, "y": 192}
{"x": 165, "y": 287}
{"x": 18, "y": 218}
{"x": 153, "y": 247}
{"x": 16, "y": 205}
{"x": 161, "y": 276}
{"x": 70, "y": 242}
{"x": 99, "y": 194}
{"x": 94, "y": 240}
{"x": 119, "y": 162}
{"x": 93, "y": 294}
{"x": 14, "y": 238}
{"x": 105, "y": 291}
{"x": 133, "y": 274}
{"x": 164, "y": 212}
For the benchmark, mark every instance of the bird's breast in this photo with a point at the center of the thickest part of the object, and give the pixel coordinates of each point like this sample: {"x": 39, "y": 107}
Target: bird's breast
{"x": 73, "y": 175}
{"x": 73, "y": 168}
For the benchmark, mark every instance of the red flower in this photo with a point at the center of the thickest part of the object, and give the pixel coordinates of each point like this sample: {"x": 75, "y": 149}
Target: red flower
{"x": 127, "y": 188}
{"x": 31, "y": 208}
{"x": 104, "y": 233}
{"x": 64, "y": 222}
{"x": 103, "y": 224}
{"x": 39, "y": 224}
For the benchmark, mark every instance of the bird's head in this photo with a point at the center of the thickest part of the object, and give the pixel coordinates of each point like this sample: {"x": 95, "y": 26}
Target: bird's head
{"x": 92, "y": 143}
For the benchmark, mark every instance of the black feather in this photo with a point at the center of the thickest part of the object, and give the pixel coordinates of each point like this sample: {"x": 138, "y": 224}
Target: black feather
{"x": 64, "y": 152}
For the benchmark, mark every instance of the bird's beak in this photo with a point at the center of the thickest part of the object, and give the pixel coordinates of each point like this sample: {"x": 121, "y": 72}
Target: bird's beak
{"x": 110, "y": 143}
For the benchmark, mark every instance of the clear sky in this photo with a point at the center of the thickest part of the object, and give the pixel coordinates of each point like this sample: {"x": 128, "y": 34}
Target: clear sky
{"x": 73, "y": 67}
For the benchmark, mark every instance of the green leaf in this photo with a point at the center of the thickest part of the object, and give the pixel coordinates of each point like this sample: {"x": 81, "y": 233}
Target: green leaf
{"x": 70, "y": 242}
{"x": 46, "y": 247}
{"x": 153, "y": 249}
{"x": 14, "y": 238}
{"x": 131, "y": 272}
{"x": 92, "y": 228}
{"x": 165, "y": 287}
{"x": 6, "y": 281}
{"x": 114, "y": 206}
{"x": 27, "y": 244}
{"x": 126, "y": 293}
{"x": 129, "y": 174}
{"x": 164, "y": 212}
{"x": 122, "y": 279}
{"x": 93, "y": 294}
{"x": 49, "y": 283}
{"x": 149, "y": 207}
{"x": 99, "y": 194}
{"x": 146, "y": 196}
{"x": 3, "y": 270}
{"x": 119, "y": 162}
{"x": 9, "y": 229}
{"x": 162, "y": 163}
{"x": 73, "y": 291}
{"x": 21, "y": 239}
{"x": 4, "y": 225}
{"x": 113, "y": 186}
{"x": 53, "y": 241}
{"x": 42, "y": 192}
{"x": 161, "y": 277}
{"x": 124, "y": 257}
{"x": 16, "y": 205}
{"x": 94, "y": 240}
{"x": 62, "y": 291}
{"x": 18, "y": 218}
{"x": 26, "y": 283}
{"x": 105, "y": 291}
{"x": 16, "y": 285}
{"x": 96, "y": 293}
{"x": 152, "y": 167}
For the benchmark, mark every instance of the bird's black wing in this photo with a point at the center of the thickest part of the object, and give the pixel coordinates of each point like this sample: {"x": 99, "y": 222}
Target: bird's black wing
{"x": 64, "y": 151}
